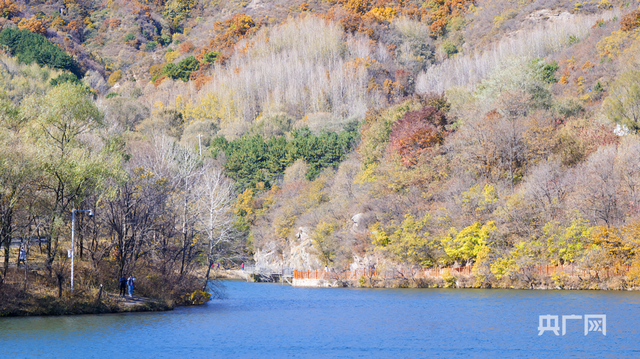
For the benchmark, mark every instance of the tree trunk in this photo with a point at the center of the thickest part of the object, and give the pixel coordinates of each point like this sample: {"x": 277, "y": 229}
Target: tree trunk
{"x": 206, "y": 278}
{"x": 50, "y": 257}
{"x": 60, "y": 279}
{"x": 80, "y": 236}
{"x": 5, "y": 238}
{"x": 7, "y": 244}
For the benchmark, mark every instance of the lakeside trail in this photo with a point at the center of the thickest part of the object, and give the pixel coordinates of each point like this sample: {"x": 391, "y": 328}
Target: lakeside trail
{"x": 129, "y": 302}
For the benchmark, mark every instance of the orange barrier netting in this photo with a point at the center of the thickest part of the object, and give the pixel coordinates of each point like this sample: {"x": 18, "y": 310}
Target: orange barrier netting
{"x": 570, "y": 270}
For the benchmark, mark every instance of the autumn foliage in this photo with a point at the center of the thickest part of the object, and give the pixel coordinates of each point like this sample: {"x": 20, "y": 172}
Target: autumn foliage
{"x": 232, "y": 30}
{"x": 416, "y": 132}
{"x": 34, "y": 25}
{"x": 8, "y": 9}
{"x": 356, "y": 6}
{"x": 442, "y": 11}
{"x": 228, "y": 33}
{"x": 630, "y": 21}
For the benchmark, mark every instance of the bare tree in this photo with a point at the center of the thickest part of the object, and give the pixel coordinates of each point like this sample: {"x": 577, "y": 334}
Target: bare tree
{"x": 216, "y": 217}
{"x": 598, "y": 194}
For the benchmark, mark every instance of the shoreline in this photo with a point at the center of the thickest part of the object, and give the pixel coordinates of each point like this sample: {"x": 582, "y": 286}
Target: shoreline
{"x": 114, "y": 304}
{"x": 47, "y": 306}
{"x": 543, "y": 282}
{"x": 34, "y": 306}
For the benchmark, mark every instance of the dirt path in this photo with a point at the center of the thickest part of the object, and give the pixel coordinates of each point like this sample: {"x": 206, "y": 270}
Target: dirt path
{"x": 127, "y": 301}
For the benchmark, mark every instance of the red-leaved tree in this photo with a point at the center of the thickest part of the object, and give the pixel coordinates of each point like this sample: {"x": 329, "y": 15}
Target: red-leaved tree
{"x": 416, "y": 132}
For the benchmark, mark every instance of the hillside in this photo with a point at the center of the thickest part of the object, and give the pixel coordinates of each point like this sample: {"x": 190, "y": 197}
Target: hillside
{"x": 343, "y": 134}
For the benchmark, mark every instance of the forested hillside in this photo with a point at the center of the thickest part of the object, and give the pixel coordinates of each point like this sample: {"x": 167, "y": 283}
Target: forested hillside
{"x": 332, "y": 133}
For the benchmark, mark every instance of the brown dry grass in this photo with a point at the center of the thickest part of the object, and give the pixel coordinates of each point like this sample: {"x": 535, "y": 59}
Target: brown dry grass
{"x": 34, "y": 292}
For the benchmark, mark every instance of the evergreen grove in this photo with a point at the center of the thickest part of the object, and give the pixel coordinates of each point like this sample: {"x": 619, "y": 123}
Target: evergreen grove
{"x": 252, "y": 159}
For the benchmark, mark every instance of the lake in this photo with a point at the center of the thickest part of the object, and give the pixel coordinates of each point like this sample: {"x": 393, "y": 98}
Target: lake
{"x": 274, "y": 321}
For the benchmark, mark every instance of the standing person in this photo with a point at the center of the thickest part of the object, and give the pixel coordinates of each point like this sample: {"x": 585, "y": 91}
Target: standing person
{"x": 217, "y": 265}
{"x": 123, "y": 285}
{"x": 21, "y": 256}
{"x": 242, "y": 265}
{"x": 130, "y": 283}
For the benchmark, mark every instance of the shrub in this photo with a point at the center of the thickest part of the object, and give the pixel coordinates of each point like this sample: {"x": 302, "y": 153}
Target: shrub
{"x": 383, "y": 13}
{"x": 231, "y": 31}
{"x": 164, "y": 40}
{"x": 112, "y": 95}
{"x": 442, "y": 11}
{"x": 29, "y": 47}
{"x": 598, "y": 88}
{"x": 573, "y": 39}
{"x": 66, "y": 77}
{"x": 115, "y": 77}
{"x": 449, "y": 48}
{"x": 156, "y": 70}
{"x": 177, "y": 10}
{"x": 210, "y": 57}
{"x": 196, "y": 298}
{"x": 151, "y": 45}
{"x": 8, "y": 9}
{"x": 34, "y": 25}
{"x": 186, "y": 47}
{"x": 171, "y": 55}
{"x": 182, "y": 70}
{"x": 129, "y": 37}
{"x": 548, "y": 72}
{"x": 357, "y": 6}
{"x": 630, "y": 21}
{"x": 201, "y": 81}
{"x": 114, "y": 23}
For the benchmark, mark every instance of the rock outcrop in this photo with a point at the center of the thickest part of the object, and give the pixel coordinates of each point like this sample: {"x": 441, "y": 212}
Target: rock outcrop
{"x": 300, "y": 254}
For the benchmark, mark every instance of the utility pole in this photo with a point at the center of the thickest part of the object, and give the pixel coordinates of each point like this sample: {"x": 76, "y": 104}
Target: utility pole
{"x": 200, "y": 144}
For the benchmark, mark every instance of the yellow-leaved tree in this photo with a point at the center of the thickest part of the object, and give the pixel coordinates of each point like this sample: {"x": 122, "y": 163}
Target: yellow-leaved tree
{"x": 407, "y": 243}
{"x": 566, "y": 244}
{"x": 470, "y": 244}
{"x": 324, "y": 242}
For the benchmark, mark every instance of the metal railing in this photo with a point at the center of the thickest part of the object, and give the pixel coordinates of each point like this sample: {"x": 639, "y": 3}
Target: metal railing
{"x": 269, "y": 271}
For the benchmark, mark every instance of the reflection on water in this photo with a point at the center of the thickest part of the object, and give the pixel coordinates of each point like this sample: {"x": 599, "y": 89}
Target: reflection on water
{"x": 267, "y": 320}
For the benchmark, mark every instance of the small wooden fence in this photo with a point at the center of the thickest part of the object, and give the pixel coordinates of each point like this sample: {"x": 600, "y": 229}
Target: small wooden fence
{"x": 402, "y": 273}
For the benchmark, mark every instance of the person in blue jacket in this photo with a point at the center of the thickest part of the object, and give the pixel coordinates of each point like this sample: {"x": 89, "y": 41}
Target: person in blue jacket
{"x": 130, "y": 284}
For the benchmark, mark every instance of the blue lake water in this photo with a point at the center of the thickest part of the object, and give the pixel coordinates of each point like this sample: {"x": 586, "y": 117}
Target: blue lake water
{"x": 274, "y": 321}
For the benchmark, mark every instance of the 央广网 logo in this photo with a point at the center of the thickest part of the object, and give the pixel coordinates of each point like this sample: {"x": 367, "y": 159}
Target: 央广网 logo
{"x": 592, "y": 323}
